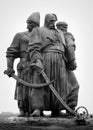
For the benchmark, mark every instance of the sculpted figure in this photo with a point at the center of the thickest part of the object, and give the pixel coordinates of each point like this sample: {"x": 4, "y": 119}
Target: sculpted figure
{"x": 18, "y": 49}
{"x": 44, "y": 52}
{"x": 69, "y": 43}
{"x": 46, "y": 48}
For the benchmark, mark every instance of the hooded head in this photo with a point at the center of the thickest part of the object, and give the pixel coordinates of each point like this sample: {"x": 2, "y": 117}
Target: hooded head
{"x": 33, "y": 20}
{"x": 50, "y": 20}
{"x": 62, "y": 26}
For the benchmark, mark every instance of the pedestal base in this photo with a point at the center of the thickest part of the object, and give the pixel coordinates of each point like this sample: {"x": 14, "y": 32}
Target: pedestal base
{"x": 46, "y": 123}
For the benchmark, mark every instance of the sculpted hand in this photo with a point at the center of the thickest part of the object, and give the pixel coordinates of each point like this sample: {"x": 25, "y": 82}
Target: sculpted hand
{"x": 21, "y": 65}
{"x": 38, "y": 65}
{"x": 9, "y": 71}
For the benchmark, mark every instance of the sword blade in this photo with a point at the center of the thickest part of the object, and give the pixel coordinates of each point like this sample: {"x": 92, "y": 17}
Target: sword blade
{"x": 57, "y": 94}
{"x": 29, "y": 84}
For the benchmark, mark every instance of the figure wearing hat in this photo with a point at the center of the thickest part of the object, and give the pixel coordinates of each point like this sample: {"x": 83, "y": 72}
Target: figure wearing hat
{"x": 69, "y": 43}
{"x": 16, "y": 50}
{"x": 46, "y": 49}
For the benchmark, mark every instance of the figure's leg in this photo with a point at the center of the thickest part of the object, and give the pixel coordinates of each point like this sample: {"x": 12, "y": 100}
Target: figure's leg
{"x": 21, "y": 108}
{"x": 37, "y": 97}
{"x": 26, "y": 106}
{"x": 55, "y": 113}
{"x": 72, "y": 98}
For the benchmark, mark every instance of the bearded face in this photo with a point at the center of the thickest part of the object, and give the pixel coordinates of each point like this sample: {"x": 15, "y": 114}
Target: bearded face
{"x": 50, "y": 20}
{"x": 30, "y": 26}
{"x": 51, "y": 24}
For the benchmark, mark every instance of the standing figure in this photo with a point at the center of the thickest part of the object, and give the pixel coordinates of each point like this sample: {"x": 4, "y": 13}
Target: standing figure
{"x": 69, "y": 43}
{"x": 18, "y": 49}
{"x": 46, "y": 48}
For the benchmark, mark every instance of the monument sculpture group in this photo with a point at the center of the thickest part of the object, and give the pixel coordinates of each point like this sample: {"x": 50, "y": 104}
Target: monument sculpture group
{"x": 45, "y": 77}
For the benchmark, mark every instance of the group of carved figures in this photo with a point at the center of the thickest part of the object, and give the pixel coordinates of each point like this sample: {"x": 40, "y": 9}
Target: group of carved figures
{"x": 52, "y": 48}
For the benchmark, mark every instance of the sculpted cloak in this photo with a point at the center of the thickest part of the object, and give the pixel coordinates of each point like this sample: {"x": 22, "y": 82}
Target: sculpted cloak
{"x": 18, "y": 49}
{"x": 47, "y": 46}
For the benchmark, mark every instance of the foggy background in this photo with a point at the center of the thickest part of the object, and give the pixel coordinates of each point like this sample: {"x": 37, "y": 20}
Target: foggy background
{"x": 79, "y": 16}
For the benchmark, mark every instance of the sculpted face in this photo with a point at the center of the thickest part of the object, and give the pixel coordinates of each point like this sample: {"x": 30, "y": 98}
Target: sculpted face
{"x": 60, "y": 27}
{"x": 51, "y": 24}
{"x": 31, "y": 25}
{"x": 50, "y": 20}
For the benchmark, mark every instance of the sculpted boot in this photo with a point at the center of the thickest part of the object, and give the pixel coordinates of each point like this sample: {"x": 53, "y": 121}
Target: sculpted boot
{"x": 22, "y": 114}
{"x": 36, "y": 113}
{"x": 21, "y": 110}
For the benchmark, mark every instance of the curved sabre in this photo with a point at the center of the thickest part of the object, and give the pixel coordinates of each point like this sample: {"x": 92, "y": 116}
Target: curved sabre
{"x": 31, "y": 84}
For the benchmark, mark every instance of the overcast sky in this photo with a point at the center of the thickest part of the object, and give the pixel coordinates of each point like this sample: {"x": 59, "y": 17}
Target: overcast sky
{"x": 79, "y": 16}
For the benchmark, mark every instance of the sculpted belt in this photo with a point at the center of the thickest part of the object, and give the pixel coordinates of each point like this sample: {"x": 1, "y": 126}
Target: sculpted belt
{"x": 58, "y": 49}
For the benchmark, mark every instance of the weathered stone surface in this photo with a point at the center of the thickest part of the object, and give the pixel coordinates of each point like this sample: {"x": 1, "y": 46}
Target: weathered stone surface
{"x": 48, "y": 123}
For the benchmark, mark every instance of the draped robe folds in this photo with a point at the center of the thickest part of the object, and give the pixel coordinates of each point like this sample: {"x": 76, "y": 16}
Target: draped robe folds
{"x": 18, "y": 49}
{"x": 47, "y": 46}
{"x": 73, "y": 85}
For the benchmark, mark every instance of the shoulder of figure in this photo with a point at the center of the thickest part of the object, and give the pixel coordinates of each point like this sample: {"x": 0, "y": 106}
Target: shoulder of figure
{"x": 35, "y": 30}
{"x": 38, "y": 31}
{"x": 25, "y": 36}
{"x": 43, "y": 30}
{"x": 19, "y": 35}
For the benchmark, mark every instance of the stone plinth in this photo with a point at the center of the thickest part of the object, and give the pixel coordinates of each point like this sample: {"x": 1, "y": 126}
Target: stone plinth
{"x": 48, "y": 123}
